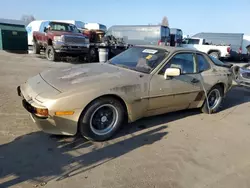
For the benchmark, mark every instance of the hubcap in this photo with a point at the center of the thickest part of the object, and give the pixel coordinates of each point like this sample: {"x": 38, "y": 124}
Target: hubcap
{"x": 214, "y": 99}
{"x": 104, "y": 119}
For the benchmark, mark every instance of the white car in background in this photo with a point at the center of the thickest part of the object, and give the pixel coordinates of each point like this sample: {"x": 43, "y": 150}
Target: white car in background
{"x": 217, "y": 51}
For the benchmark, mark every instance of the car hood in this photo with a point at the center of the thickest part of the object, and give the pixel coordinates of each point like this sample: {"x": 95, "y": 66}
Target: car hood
{"x": 90, "y": 76}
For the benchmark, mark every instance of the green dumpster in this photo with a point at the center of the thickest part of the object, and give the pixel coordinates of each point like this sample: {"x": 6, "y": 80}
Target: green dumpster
{"x": 13, "y": 36}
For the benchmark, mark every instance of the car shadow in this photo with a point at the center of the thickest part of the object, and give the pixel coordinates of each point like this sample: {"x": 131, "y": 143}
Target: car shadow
{"x": 236, "y": 96}
{"x": 40, "y": 158}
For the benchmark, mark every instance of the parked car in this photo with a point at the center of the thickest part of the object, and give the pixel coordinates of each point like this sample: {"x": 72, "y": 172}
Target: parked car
{"x": 141, "y": 34}
{"x": 146, "y": 80}
{"x": 242, "y": 75}
{"x": 176, "y": 35}
{"x": 58, "y": 39}
{"x": 217, "y": 51}
{"x": 235, "y": 40}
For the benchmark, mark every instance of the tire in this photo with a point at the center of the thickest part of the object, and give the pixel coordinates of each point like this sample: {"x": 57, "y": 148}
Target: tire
{"x": 215, "y": 55}
{"x": 93, "y": 55}
{"x": 50, "y": 53}
{"x": 90, "y": 118}
{"x": 216, "y": 107}
{"x": 36, "y": 48}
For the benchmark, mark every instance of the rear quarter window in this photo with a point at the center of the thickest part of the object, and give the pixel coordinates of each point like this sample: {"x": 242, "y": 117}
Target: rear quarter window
{"x": 216, "y": 61}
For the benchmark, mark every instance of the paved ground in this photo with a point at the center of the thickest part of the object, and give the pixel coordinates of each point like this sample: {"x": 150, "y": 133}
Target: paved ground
{"x": 182, "y": 150}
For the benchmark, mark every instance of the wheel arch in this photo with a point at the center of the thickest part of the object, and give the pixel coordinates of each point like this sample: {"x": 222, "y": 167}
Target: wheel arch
{"x": 222, "y": 85}
{"x": 214, "y": 50}
{"x": 49, "y": 41}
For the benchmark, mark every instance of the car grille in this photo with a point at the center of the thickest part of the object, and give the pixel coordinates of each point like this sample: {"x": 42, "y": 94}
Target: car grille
{"x": 74, "y": 39}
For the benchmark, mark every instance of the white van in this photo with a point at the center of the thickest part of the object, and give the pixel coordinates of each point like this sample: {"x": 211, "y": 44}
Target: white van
{"x": 31, "y": 27}
{"x": 95, "y": 26}
{"x": 77, "y": 23}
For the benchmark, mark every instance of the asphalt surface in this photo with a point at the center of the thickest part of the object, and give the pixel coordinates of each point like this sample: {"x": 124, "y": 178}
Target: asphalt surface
{"x": 185, "y": 149}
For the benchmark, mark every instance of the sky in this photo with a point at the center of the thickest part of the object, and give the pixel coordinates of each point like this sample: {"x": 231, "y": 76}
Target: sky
{"x": 192, "y": 16}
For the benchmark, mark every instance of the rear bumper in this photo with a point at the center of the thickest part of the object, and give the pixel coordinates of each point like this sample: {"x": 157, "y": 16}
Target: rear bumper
{"x": 61, "y": 47}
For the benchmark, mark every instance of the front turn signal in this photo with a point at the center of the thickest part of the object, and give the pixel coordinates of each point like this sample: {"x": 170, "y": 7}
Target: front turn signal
{"x": 42, "y": 112}
{"x": 64, "y": 113}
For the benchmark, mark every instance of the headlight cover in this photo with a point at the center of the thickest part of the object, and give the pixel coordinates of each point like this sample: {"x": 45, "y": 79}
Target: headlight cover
{"x": 59, "y": 38}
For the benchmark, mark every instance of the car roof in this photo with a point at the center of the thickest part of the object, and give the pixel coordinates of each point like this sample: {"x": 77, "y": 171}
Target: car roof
{"x": 169, "y": 48}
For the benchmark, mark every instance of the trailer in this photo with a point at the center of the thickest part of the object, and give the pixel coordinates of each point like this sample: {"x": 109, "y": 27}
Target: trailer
{"x": 141, "y": 34}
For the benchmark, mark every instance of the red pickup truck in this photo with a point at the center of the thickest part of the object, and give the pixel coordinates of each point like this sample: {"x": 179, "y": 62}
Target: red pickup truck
{"x": 58, "y": 39}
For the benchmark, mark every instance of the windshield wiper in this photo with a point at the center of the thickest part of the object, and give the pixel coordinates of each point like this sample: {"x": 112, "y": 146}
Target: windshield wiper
{"x": 124, "y": 66}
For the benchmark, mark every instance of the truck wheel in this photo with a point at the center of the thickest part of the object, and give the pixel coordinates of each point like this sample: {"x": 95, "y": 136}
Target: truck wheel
{"x": 93, "y": 55}
{"x": 36, "y": 48}
{"x": 215, "y": 55}
{"x": 50, "y": 53}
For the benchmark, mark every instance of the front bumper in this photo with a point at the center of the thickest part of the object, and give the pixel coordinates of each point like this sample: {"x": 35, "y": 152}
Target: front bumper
{"x": 52, "y": 124}
{"x": 71, "y": 48}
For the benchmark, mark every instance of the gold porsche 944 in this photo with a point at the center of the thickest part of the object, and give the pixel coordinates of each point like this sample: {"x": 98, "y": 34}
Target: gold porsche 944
{"x": 96, "y": 99}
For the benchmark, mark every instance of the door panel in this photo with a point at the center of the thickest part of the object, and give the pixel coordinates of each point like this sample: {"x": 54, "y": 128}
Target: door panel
{"x": 160, "y": 95}
{"x": 172, "y": 94}
{"x": 175, "y": 93}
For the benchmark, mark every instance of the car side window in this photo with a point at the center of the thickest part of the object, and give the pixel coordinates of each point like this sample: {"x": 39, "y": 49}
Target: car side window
{"x": 203, "y": 65}
{"x": 184, "y": 61}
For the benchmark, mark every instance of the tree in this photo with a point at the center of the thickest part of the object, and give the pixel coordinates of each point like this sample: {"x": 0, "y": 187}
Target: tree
{"x": 165, "y": 21}
{"x": 27, "y": 19}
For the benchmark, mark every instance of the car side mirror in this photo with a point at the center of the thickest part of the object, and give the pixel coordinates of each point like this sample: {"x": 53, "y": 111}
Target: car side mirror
{"x": 45, "y": 29}
{"x": 172, "y": 72}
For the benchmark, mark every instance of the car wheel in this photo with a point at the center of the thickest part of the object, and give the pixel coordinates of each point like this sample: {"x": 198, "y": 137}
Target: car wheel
{"x": 215, "y": 55}
{"x": 102, "y": 119}
{"x": 36, "y": 48}
{"x": 50, "y": 53}
{"x": 214, "y": 99}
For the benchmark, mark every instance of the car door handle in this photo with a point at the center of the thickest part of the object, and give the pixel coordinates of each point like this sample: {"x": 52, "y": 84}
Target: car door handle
{"x": 194, "y": 80}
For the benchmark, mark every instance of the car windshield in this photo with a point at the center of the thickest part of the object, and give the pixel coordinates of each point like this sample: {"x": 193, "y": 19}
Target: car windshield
{"x": 140, "y": 59}
{"x": 191, "y": 41}
{"x": 64, "y": 27}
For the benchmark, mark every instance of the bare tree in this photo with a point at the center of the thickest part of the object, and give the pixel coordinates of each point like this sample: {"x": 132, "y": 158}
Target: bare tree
{"x": 165, "y": 21}
{"x": 27, "y": 19}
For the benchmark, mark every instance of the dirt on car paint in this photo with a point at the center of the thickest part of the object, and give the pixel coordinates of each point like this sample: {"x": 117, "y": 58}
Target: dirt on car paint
{"x": 127, "y": 88}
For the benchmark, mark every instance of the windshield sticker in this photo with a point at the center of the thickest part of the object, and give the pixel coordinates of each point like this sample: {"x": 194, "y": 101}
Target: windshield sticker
{"x": 150, "y": 51}
{"x": 149, "y": 57}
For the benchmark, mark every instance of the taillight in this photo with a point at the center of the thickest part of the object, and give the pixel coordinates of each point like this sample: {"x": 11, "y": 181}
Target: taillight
{"x": 240, "y": 50}
{"x": 228, "y": 49}
{"x": 160, "y": 43}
